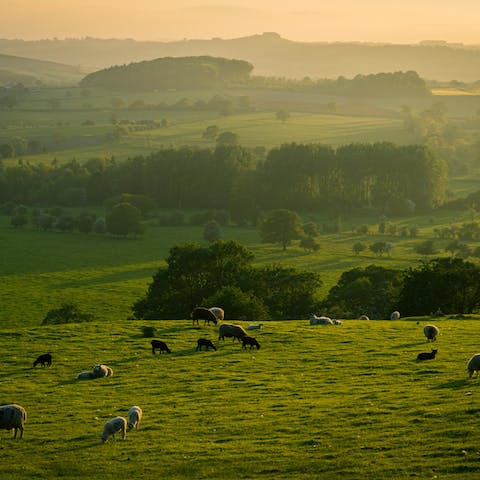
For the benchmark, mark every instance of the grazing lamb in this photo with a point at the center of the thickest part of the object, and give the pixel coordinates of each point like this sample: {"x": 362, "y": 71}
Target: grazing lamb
{"x": 218, "y": 312}
{"x": 102, "y": 371}
{"x": 204, "y": 314}
{"x": 113, "y": 426}
{"x": 134, "y": 417}
{"x": 431, "y": 332}
{"x": 43, "y": 360}
{"x": 474, "y": 365}
{"x": 13, "y": 416}
{"x": 205, "y": 342}
{"x": 314, "y": 320}
{"x": 337, "y": 322}
{"x": 231, "y": 330}
{"x": 159, "y": 345}
{"x": 395, "y": 315}
{"x": 246, "y": 340}
{"x": 364, "y": 317}
{"x": 255, "y": 326}
{"x": 85, "y": 376}
{"x": 427, "y": 355}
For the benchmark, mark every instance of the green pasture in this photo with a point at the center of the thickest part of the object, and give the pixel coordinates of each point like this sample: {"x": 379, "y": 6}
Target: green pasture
{"x": 343, "y": 402}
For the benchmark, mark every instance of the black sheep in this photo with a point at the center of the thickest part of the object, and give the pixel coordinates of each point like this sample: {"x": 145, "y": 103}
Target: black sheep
{"x": 204, "y": 314}
{"x": 159, "y": 345}
{"x": 246, "y": 340}
{"x": 204, "y": 342}
{"x": 43, "y": 360}
{"x": 427, "y": 355}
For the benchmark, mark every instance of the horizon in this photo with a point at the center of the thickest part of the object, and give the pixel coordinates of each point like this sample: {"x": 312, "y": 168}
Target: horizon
{"x": 372, "y": 21}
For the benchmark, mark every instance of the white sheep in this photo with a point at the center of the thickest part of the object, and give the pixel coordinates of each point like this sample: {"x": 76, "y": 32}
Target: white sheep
{"x": 474, "y": 365}
{"x": 395, "y": 315}
{"x": 431, "y": 332}
{"x": 113, "y": 426}
{"x": 134, "y": 417}
{"x": 314, "y": 320}
{"x": 218, "y": 312}
{"x": 13, "y": 416}
{"x": 255, "y": 326}
{"x": 102, "y": 371}
{"x": 85, "y": 375}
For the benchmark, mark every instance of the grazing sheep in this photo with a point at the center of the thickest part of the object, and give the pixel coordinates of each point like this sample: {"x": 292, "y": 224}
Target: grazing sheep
{"x": 113, "y": 426}
{"x": 395, "y": 315}
{"x": 134, "y": 417}
{"x": 474, "y": 365}
{"x": 431, "y": 332}
{"x": 218, "y": 312}
{"x": 246, "y": 340}
{"x": 13, "y": 416}
{"x": 314, "y": 320}
{"x": 204, "y": 314}
{"x": 43, "y": 360}
{"x": 205, "y": 342}
{"x": 159, "y": 345}
{"x": 364, "y": 317}
{"x": 255, "y": 326}
{"x": 231, "y": 330}
{"x": 337, "y": 322}
{"x": 102, "y": 371}
{"x": 427, "y": 355}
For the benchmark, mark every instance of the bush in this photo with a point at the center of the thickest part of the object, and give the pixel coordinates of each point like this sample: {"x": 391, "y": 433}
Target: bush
{"x": 67, "y": 313}
{"x": 148, "y": 332}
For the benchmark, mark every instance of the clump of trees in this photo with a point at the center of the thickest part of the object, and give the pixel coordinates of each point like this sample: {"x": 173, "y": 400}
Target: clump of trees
{"x": 68, "y": 312}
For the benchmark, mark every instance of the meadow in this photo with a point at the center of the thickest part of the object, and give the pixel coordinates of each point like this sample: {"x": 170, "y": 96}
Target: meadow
{"x": 347, "y": 402}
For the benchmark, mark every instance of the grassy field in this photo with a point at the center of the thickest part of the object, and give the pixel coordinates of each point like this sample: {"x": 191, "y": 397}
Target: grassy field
{"x": 344, "y": 402}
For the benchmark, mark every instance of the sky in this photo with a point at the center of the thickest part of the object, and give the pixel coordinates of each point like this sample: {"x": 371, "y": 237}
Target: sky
{"x": 392, "y": 21}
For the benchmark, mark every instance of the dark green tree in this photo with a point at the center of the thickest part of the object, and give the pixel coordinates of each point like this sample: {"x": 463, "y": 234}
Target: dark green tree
{"x": 123, "y": 219}
{"x": 281, "y": 226}
{"x": 212, "y": 231}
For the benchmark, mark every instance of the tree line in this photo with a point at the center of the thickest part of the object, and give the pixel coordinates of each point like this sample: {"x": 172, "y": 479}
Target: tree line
{"x": 223, "y": 274}
{"x": 301, "y": 177}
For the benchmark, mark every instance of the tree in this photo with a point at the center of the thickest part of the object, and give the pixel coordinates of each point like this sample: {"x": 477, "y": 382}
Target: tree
{"x": 358, "y": 247}
{"x": 212, "y": 231}
{"x": 379, "y": 248}
{"x": 282, "y": 115}
{"x": 67, "y": 313}
{"x": 123, "y": 219}
{"x": 211, "y": 132}
{"x": 449, "y": 284}
{"x": 426, "y": 247}
{"x": 227, "y": 138}
{"x": 281, "y": 226}
{"x": 309, "y": 244}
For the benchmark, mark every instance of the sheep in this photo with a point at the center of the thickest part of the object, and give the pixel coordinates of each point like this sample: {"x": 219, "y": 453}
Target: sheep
{"x": 218, "y": 312}
{"x": 117, "y": 424}
{"x": 427, "y": 355}
{"x": 43, "y": 360}
{"x": 255, "y": 326}
{"x": 364, "y": 317}
{"x": 162, "y": 346}
{"x": 205, "y": 314}
{"x": 337, "y": 322}
{"x": 474, "y": 365}
{"x": 205, "y": 342}
{"x": 85, "y": 376}
{"x": 231, "y": 330}
{"x": 395, "y": 315}
{"x": 102, "y": 371}
{"x": 134, "y": 417}
{"x": 13, "y": 416}
{"x": 431, "y": 332}
{"x": 246, "y": 340}
{"x": 314, "y": 320}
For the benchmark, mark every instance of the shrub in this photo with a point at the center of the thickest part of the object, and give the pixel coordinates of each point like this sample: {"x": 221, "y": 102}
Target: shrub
{"x": 148, "y": 332}
{"x": 67, "y": 313}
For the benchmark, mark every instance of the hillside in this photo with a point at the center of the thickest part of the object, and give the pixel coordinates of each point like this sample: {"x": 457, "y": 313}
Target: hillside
{"x": 30, "y": 71}
{"x": 271, "y": 55}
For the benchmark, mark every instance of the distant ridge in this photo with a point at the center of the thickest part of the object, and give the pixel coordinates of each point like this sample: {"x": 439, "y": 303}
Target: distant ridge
{"x": 270, "y": 54}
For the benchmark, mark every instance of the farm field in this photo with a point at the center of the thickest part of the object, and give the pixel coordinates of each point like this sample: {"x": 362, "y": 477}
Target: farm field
{"x": 343, "y": 402}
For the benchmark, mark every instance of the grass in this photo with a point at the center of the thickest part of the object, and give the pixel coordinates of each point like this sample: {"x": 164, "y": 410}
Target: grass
{"x": 313, "y": 402}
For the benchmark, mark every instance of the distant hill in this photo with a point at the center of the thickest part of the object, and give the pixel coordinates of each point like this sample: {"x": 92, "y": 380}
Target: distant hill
{"x": 271, "y": 55}
{"x": 36, "y": 72}
{"x": 171, "y": 72}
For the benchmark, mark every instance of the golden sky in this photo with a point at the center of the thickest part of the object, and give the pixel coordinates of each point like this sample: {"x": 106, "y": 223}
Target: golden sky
{"x": 402, "y": 21}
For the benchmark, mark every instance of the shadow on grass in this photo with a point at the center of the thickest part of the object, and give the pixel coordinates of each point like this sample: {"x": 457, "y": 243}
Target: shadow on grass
{"x": 454, "y": 384}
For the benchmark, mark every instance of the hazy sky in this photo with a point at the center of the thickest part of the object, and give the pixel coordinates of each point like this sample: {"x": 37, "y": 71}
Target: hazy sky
{"x": 402, "y": 21}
